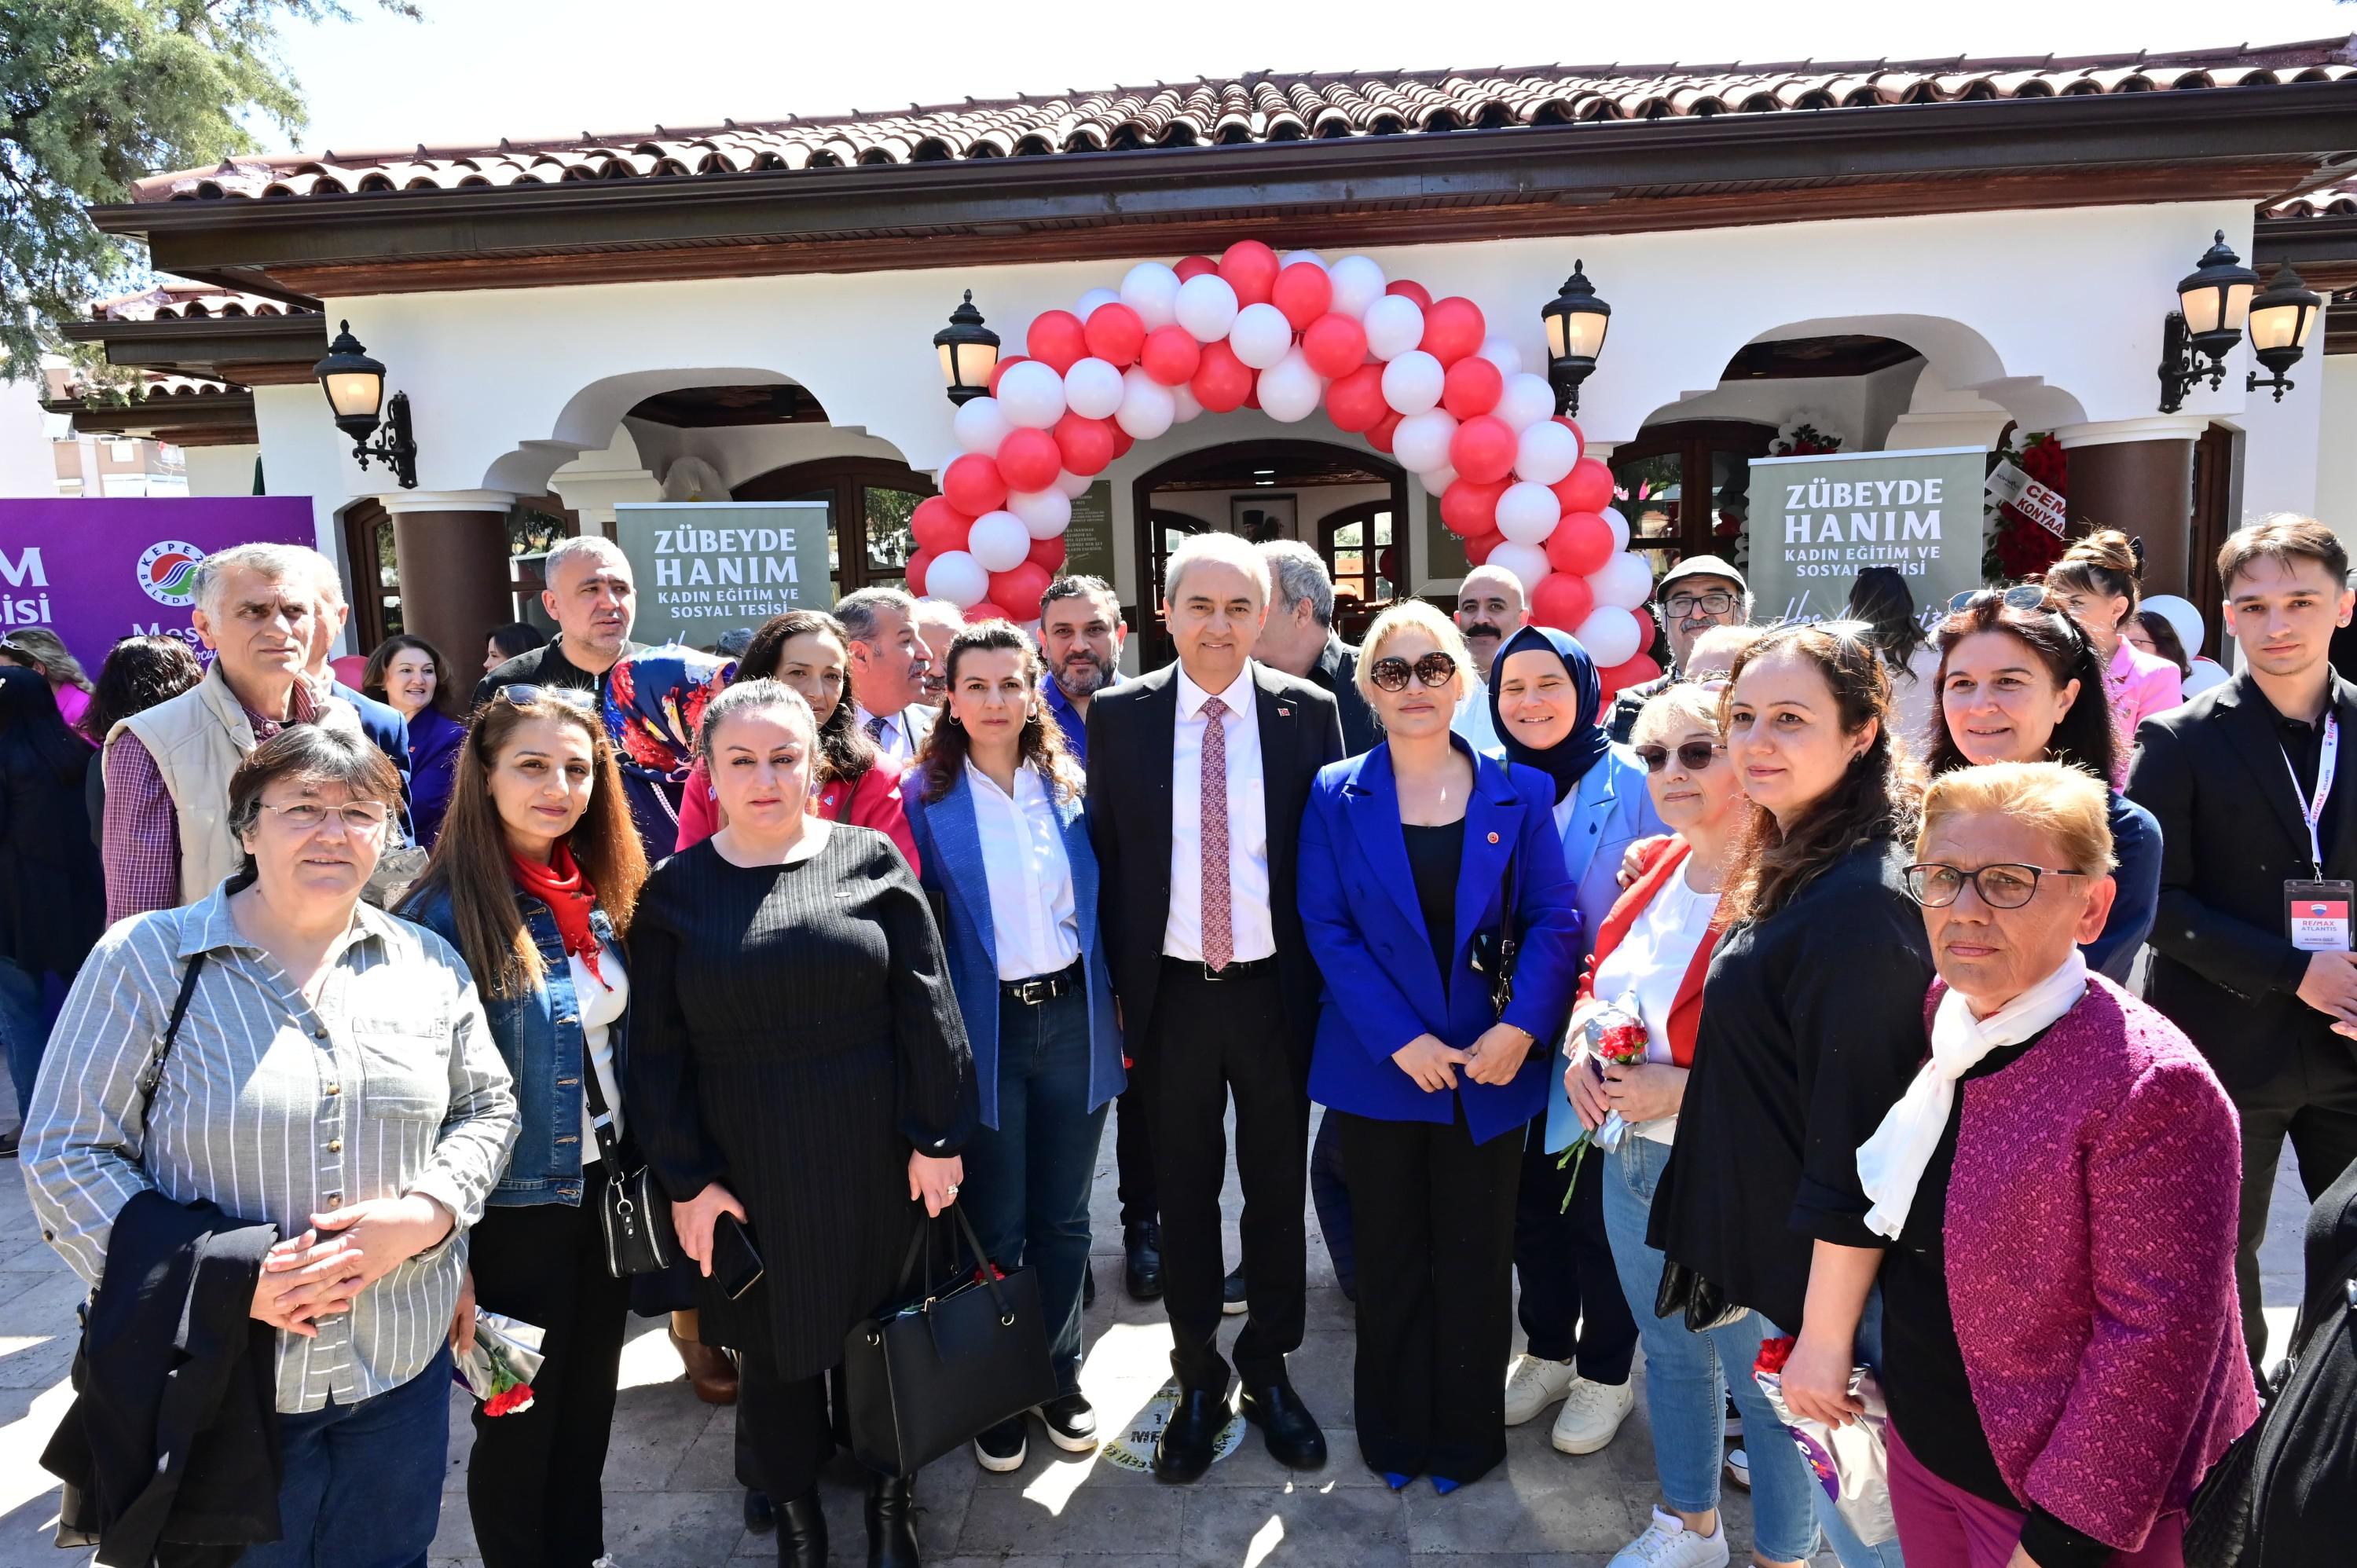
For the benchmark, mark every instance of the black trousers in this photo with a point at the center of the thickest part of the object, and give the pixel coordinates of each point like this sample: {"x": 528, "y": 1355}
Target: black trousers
{"x": 2313, "y": 1103}
{"x": 782, "y": 1429}
{"x": 1572, "y": 1308}
{"x": 1435, "y": 1221}
{"x": 1213, "y": 1038}
{"x": 533, "y": 1482}
{"x": 1133, "y": 1143}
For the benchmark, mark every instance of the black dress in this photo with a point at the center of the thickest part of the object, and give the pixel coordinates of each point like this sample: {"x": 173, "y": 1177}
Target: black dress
{"x": 793, "y": 1036}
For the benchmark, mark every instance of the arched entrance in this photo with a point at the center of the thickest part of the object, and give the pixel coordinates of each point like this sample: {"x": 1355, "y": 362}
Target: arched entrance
{"x": 870, "y": 501}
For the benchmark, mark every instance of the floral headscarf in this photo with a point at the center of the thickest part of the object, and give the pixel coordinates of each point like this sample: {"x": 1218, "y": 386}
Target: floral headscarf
{"x": 654, "y": 704}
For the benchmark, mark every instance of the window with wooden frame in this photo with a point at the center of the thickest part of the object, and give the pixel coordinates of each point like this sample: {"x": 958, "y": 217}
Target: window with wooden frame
{"x": 1685, "y": 488}
{"x": 1352, "y": 542}
{"x": 869, "y": 503}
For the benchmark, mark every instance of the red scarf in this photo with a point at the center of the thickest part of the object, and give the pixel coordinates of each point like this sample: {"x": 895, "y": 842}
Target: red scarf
{"x": 561, "y": 886}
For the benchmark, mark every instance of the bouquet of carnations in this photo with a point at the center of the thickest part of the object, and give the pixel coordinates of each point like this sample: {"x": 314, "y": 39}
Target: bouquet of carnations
{"x": 1851, "y": 1463}
{"x": 499, "y": 1367}
{"x": 1602, "y": 1032}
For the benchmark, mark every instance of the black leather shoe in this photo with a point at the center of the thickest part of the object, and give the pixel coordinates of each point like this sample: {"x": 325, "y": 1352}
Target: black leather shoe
{"x": 891, "y": 1524}
{"x": 1232, "y": 1294}
{"x": 1191, "y": 1437}
{"x": 802, "y": 1541}
{"x": 760, "y": 1517}
{"x": 1142, "y": 1243}
{"x": 1285, "y": 1425}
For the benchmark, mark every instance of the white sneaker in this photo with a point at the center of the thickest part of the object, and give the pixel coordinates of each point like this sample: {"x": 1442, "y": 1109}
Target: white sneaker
{"x": 1738, "y": 1468}
{"x": 1668, "y": 1543}
{"x": 1534, "y": 1385}
{"x": 1591, "y": 1415}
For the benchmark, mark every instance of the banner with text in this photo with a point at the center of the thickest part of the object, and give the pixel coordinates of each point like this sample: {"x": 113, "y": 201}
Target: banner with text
{"x": 705, "y": 568}
{"x": 1817, "y": 521}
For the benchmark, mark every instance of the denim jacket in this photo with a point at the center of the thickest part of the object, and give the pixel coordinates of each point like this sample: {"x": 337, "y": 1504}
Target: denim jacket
{"x": 539, "y": 1035}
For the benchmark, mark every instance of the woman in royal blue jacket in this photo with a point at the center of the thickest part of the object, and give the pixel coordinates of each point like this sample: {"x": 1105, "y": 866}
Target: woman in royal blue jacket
{"x": 1419, "y": 861}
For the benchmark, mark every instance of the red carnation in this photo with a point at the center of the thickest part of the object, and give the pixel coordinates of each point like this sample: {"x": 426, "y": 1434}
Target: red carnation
{"x": 1774, "y": 1353}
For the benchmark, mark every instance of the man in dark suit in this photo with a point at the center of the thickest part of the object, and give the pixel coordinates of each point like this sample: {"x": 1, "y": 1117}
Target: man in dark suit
{"x": 1203, "y": 771}
{"x": 2253, "y": 966}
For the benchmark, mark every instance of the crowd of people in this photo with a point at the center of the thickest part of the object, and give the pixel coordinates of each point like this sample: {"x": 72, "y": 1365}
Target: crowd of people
{"x": 1782, "y": 1003}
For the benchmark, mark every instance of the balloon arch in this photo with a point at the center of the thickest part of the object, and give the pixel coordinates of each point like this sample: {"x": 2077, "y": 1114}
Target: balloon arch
{"x": 1419, "y": 378}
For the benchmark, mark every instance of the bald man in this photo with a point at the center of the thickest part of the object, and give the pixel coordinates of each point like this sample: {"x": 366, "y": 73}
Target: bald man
{"x": 1490, "y": 608}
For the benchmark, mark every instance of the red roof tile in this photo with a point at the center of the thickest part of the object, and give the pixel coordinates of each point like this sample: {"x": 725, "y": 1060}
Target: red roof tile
{"x": 175, "y": 298}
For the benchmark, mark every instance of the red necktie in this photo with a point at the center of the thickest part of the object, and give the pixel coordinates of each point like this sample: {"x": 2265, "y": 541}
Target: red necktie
{"x": 1219, "y": 926}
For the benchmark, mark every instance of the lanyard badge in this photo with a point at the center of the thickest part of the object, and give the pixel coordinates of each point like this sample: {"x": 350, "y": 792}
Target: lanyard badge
{"x": 2317, "y": 913}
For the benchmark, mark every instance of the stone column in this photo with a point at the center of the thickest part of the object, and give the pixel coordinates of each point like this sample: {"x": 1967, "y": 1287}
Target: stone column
{"x": 2136, "y": 475}
{"x": 453, "y": 563}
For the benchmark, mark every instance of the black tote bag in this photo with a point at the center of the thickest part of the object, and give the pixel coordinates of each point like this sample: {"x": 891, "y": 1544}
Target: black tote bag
{"x": 939, "y": 1368}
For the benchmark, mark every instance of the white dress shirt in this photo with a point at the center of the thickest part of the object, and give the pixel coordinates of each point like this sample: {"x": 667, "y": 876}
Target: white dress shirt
{"x": 1472, "y": 719}
{"x": 600, "y": 1004}
{"x": 1034, "y": 920}
{"x": 903, "y": 733}
{"x": 1255, "y": 930}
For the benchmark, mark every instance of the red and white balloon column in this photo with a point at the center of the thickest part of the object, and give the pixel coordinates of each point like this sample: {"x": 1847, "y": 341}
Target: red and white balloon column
{"x": 1419, "y": 378}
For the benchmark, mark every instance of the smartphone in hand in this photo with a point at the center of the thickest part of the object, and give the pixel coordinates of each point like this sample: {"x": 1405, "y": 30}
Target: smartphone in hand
{"x": 735, "y": 1263}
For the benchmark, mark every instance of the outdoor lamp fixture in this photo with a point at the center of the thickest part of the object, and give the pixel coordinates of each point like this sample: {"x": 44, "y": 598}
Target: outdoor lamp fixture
{"x": 2282, "y": 316}
{"x": 2212, "y": 302}
{"x": 1576, "y": 323}
{"x": 969, "y": 353}
{"x": 355, "y": 387}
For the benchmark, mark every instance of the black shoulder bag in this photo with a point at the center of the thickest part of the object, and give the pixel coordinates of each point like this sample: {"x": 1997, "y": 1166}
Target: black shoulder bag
{"x": 636, "y": 1214}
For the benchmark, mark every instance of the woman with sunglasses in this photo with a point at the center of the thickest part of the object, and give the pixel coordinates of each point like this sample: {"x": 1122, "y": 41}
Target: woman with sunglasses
{"x": 2098, "y": 580}
{"x": 533, "y": 880}
{"x": 1421, "y": 863}
{"x": 1546, "y": 700}
{"x": 2019, "y": 681}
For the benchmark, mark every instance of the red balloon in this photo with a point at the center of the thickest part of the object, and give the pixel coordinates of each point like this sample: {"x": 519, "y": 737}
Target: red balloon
{"x": 1387, "y": 563}
{"x": 1562, "y": 601}
{"x": 1304, "y": 293}
{"x": 1580, "y": 543}
{"x": 1122, "y": 442}
{"x": 1355, "y": 402}
{"x": 1473, "y": 386}
{"x": 974, "y": 484}
{"x": 1086, "y": 444}
{"x": 999, "y": 370}
{"x": 1171, "y": 355}
{"x": 939, "y": 526}
{"x": 1058, "y": 339}
{"x": 1048, "y": 553}
{"x": 1222, "y": 381}
{"x": 1478, "y": 549}
{"x": 1194, "y": 267}
{"x": 1636, "y": 672}
{"x": 1409, "y": 288}
{"x": 1114, "y": 334}
{"x": 1644, "y": 629}
{"x": 1587, "y": 488}
{"x": 1335, "y": 345}
{"x": 1380, "y": 437}
{"x": 1452, "y": 328}
{"x": 1469, "y": 508}
{"x": 1251, "y": 269}
{"x": 919, "y": 565}
{"x": 976, "y": 614}
{"x": 1017, "y": 590}
{"x": 1482, "y": 449}
{"x": 1029, "y": 459}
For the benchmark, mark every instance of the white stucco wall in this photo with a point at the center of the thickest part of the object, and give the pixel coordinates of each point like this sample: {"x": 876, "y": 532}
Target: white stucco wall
{"x": 28, "y": 463}
{"x": 220, "y": 470}
{"x": 2336, "y": 468}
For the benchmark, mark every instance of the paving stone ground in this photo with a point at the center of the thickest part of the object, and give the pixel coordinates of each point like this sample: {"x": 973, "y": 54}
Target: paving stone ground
{"x": 671, "y": 1501}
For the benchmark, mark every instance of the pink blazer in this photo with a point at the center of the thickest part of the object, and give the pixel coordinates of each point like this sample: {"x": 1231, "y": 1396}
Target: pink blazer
{"x": 2138, "y": 685}
{"x": 2090, "y": 1234}
{"x": 873, "y": 802}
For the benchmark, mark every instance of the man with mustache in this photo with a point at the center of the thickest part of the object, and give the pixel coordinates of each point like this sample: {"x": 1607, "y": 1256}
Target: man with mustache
{"x": 1490, "y": 608}
{"x": 1697, "y": 593}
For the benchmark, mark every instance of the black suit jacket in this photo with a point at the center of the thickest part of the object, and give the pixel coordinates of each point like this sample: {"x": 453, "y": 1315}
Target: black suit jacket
{"x": 2231, "y": 835}
{"x": 1132, "y": 729}
{"x": 1337, "y": 670}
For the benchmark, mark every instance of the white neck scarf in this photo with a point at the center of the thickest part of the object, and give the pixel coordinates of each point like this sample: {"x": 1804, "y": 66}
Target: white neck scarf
{"x": 1890, "y": 1164}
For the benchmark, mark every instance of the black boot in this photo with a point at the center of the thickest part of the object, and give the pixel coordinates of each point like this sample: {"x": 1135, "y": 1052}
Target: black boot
{"x": 801, "y": 1534}
{"x": 891, "y": 1524}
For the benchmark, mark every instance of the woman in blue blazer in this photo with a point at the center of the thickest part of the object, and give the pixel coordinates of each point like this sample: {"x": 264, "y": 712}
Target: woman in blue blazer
{"x": 993, "y": 803}
{"x": 1409, "y": 855}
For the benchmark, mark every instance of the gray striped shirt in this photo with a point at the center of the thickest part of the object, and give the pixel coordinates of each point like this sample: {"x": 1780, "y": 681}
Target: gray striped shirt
{"x": 276, "y": 1109}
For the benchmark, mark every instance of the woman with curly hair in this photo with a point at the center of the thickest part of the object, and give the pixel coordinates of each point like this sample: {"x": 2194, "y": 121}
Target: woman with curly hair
{"x": 139, "y": 672}
{"x": 408, "y": 674}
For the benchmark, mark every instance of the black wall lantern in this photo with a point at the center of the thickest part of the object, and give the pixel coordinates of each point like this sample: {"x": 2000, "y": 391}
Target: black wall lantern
{"x": 969, "y": 353}
{"x": 2212, "y": 302}
{"x": 2282, "y": 316}
{"x": 1576, "y": 323}
{"x": 355, "y": 387}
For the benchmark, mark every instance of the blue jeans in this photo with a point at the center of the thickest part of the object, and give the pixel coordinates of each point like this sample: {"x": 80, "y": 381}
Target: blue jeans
{"x": 1689, "y": 1375}
{"x": 22, "y": 1029}
{"x": 363, "y": 1482}
{"x": 1027, "y": 1179}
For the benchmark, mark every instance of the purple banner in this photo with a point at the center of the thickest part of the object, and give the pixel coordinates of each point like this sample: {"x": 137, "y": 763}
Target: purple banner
{"x": 98, "y": 570}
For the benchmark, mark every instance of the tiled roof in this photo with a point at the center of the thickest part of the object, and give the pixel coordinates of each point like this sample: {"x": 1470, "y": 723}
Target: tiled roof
{"x": 151, "y": 386}
{"x": 1258, "y": 108}
{"x": 2327, "y": 201}
{"x": 173, "y": 298}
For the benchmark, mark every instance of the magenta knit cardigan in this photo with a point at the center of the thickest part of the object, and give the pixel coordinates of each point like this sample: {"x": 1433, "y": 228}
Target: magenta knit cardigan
{"x": 2090, "y": 1235}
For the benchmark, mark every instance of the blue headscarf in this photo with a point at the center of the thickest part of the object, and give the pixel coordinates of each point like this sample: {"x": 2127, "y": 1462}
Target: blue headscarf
{"x": 1569, "y": 760}
{"x": 654, "y": 703}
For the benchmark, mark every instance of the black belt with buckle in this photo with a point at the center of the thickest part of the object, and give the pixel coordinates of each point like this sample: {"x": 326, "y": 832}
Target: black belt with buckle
{"x": 1042, "y": 987}
{"x": 1195, "y": 969}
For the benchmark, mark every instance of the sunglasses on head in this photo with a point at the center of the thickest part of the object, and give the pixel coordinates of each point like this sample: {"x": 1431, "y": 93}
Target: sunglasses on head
{"x": 1694, "y": 756}
{"x": 2021, "y": 597}
{"x": 522, "y": 693}
{"x": 1432, "y": 670}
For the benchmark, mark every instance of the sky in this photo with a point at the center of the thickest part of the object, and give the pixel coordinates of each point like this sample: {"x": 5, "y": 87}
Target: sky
{"x": 475, "y": 71}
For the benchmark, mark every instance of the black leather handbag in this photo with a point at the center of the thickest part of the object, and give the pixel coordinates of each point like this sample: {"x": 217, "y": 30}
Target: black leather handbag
{"x": 933, "y": 1371}
{"x": 1702, "y": 1304}
{"x": 635, "y": 1214}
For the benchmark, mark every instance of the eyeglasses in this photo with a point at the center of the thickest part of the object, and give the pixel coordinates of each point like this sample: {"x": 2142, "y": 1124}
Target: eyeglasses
{"x": 520, "y": 693}
{"x": 361, "y": 817}
{"x": 1432, "y": 670}
{"x": 1694, "y": 756}
{"x": 1716, "y": 602}
{"x": 2004, "y": 886}
{"x": 2021, "y": 597}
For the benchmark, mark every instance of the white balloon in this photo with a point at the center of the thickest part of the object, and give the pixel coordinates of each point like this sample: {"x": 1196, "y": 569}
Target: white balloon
{"x": 1092, "y": 389}
{"x": 1032, "y": 394}
{"x": 1527, "y": 513}
{"x": 1189, "y": 406}
{"x": 998, "y": 541}
{"x": 1073, "y": 486}
{"x": 1413, "y": 382}
{"x": 1312, "y": 257}
{"x": 1610, "y": 633}
{"x": 1290, "y": 390}
{"x": 1261, "y": 336}
{"x": 1151, "y": 289}
{"x": 1547, "y": 452}
{"x": 981, "y": 424}
{"x": 1526, "y": 400}
{"x": 1394, "y": 325}
{"x": 1207, "y": 306}
{"x": 1624, "y": 580}
{"x": 1421, "y": 441}
{"x": 1045, "y": 513}
{"x": 1357, "y": 284}
{"x": 1618, "y": 524}
{"x": 1147, "y": 408}
{"x": 1503, "y": 354}
{"x": 958, "y": 577}
{"x": 1437, "y": 482}
{"x": 1090, "y": 300}
{"x": 1527, "y": 561}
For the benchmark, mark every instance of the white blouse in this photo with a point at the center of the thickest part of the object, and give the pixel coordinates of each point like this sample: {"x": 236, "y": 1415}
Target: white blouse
{"x": 1649, "y": 965}
{"x": 600, "y": 1005}
{"x": 1034, "y": 919}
